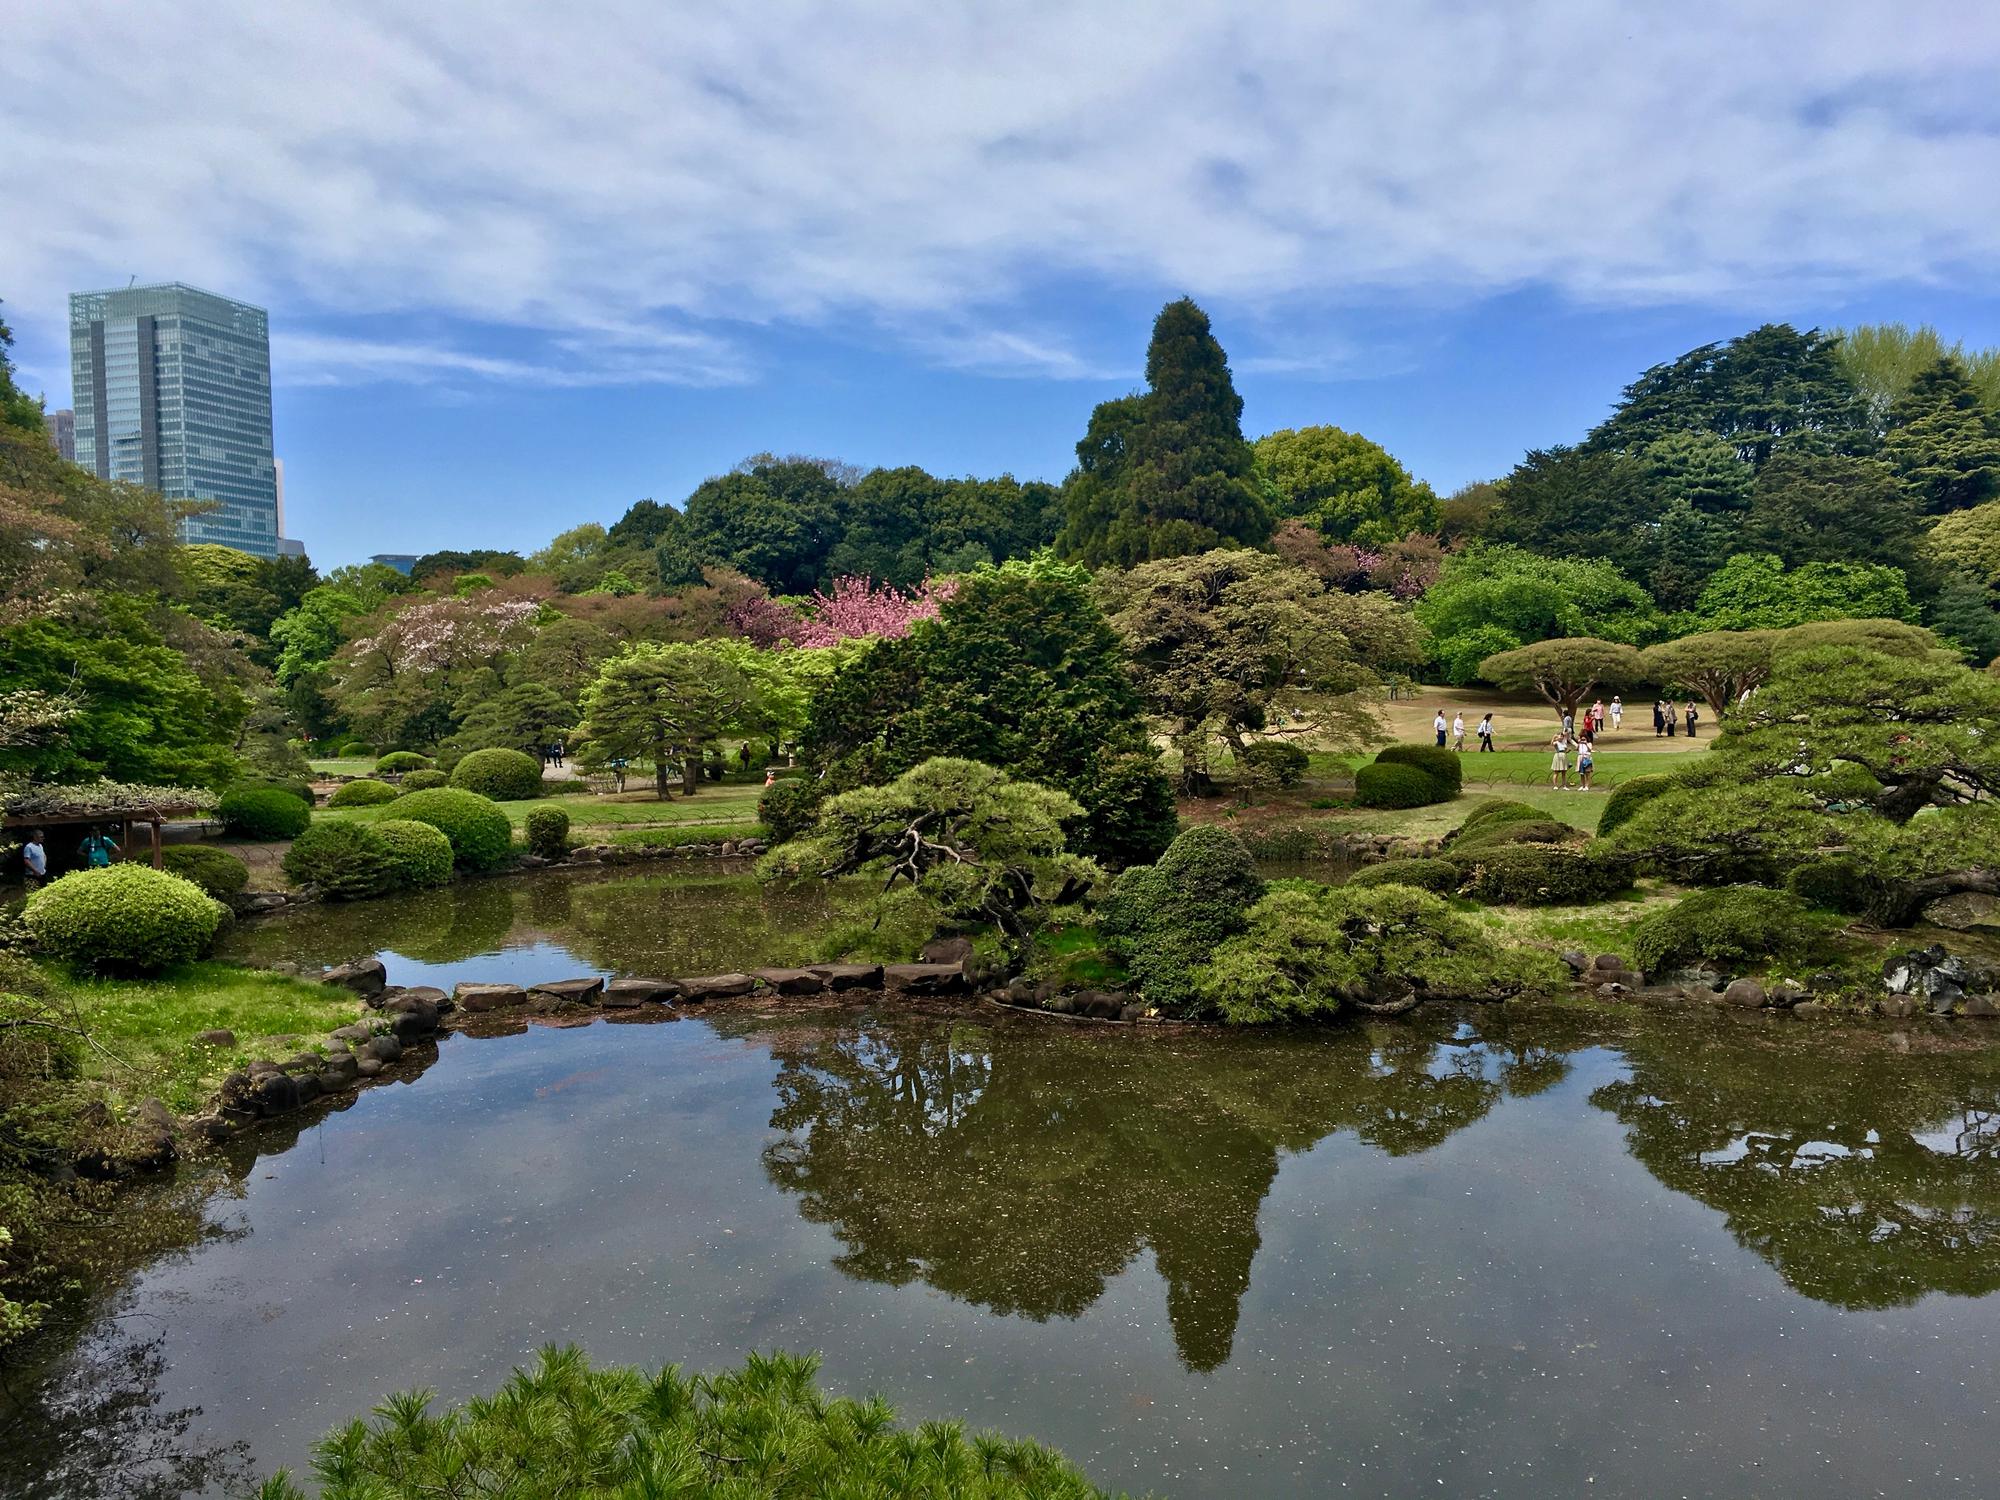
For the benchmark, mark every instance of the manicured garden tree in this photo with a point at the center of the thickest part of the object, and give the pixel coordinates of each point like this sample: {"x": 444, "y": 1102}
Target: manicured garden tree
{"x": 525, "y": 717}
{"x": 1167, "y": 473}
{"x": 477, "y": 829}
{"x": 503, "y": 775}
{"x": 263, "y": 812}
{"x": 975, "y": 843}
{"x": 1020, "y": 670}
{"x": 1720, "y": 665}
{"x": 1836, "y": 756}
{"x": 663, "y": 703}
{"x": 343, "y": 861}
{"x": 419, "y": 855}
{"x": 1565, "y": 672}
{"x": 1229, "y": 643}
{"x": 363, "y": 791}
{"x": 1165, "y": 919}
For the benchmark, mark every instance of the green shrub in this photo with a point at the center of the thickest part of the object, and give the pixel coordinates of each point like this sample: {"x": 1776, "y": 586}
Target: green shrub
{"x": 402, "y": 760}
{"x": 1129, "y": 813}
{"x": 353, "y": 748}
{"x": 1439, "y": 877}
{"x": 560, "y": 1427}
{"x": 218, "y": 872}
{"x": 1309, "y": 951}
{"x": 1275, "y": 762}
{"x": 1445, "y": 767}
{"x": 789, "y": 807}
{"x": 1731, "y": 925}
{"x": 503, "y": 775}
{"x": 1628, "y": 797}
{"x": 1541, "y": 875}
{"x": 262, "y": 812}
{"x": 1850, "y": 886}
{"x": 346, "y": 861}
{"x": 1392, "y": 785}
{"x": 363, "y": 792}
{"x": 293, "y": 786}
{"x": 419, "y": 856}
{"x": 1499, "y": 809}
{"x": 548, "y": 832}
{"x": 479, "y": 832}
{"x": 127, "y": 919}
{"x": 1165, "y": 918}
{"x": 1498, "y": 832}
{"x": 418, "y": 781}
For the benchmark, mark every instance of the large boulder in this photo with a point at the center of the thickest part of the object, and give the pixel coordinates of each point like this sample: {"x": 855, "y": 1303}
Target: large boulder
{"x": 924, "y": 979}
{"x": 365, "y": 976}
{"x": 946, "y": 950}
{"x": 1747, "y": 993}
{"x": 625, "y": 993}
{"x": 568, "y": 991}
{"x": 715, "y": 987}
{"x": 478, "y": 998}
{"x": 843, "y": 977}
{"x": 1964, "y": 911}
{"x": 790, "y": 981}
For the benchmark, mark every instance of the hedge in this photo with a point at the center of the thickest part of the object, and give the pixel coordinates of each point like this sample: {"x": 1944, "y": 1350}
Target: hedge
{"x": 363, "y": 793}
{"x": 548, "y": 832}
{"x": 419, "y": 855}
{"x": 1499, "y": 809}
{"x": 1541, "y": 875}
{"x": 1381, "y": 784}
{"x": 218, "y": 872}
{"x": 353, "y": 748}
{"x": 418, "y": 781}
{"x": 1731, "y": 925}
{"x": 402, "y": 760}
{"x": 1445, "y": 767}
{"x": 346, "y": 861}
{"x": 503, "y": 775}
{"x": 294, "y": 786}
{"x": 127, "y": 919}
{"x": 1438, "y": 876}
{"x": 790, "y": 807}
{"x": 479, "y": 832}
{"x": 262, "y": 812}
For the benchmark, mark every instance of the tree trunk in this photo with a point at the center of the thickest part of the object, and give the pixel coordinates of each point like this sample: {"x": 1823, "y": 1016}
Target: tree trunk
{"x": 691, "y": 771}
{"x": 660, "y": 763}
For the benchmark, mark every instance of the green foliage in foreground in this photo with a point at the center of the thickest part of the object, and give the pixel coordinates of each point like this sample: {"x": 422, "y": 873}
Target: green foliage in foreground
{"x": 217, "y": 871}
{"x": 1438, "y": 876}
{"x": 1165, "y": 919}
{"x": 1731, "y": 925}
{"x": 343, "y": 861}
{"x": 563, "y": 1428}
{"x": 128, "y": 919}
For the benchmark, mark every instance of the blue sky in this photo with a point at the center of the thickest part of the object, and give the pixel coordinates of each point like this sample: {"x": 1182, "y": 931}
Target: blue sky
{"x": 525, "y": 267}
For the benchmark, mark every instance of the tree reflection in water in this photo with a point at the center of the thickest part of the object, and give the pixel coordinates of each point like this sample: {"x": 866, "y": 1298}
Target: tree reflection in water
{"x": 1868, "y": 1178}
{"x": 1021, "y": 1167}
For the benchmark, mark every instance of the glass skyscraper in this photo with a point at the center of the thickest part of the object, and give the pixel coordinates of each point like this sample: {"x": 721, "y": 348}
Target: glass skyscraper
{"x": 172, "y": 389}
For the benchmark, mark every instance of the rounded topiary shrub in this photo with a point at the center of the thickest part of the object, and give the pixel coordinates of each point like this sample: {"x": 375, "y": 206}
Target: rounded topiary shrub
{"x": 353, "y": 748}
{"x": 1731, "y": 925}
{"x": 1628, "y": 797}
{"x": 363, "y": 793}
{"x": 262, "y": 812}
{"x": 218, "y": 872}
{"x": 1391, "y": 785}
{"x": 479, "y": 832}
{"x": 1439, "y": 877}
{"x": 398, "y": 761}
{"x": 503, "y": 775}
{"x": 1498, "y": 810}
{"x": 1496, "y": 832}
{"x": 128, "y": 919}
{"x": 1444, "y": 767}
{"x": 346, "y": 861}
{"x": 548, "y": 832}
{"x": 1277, "y": 762}
{"x": 1540, "y": 875}
{"x": 790, "y": 807}
{"x": 290, "y": 785}
{"x": 418, "y": 854}
{"x": 1166, "y": 917}
{"x": 418, "y": 781}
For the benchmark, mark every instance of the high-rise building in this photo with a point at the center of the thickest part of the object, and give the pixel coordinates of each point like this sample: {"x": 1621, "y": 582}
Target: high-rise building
{"x": 173, "y": 391}
{"x": 62, "y": 432}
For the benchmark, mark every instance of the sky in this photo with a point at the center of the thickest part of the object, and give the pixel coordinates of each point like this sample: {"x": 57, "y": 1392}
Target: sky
{"x": 527, "y": 264}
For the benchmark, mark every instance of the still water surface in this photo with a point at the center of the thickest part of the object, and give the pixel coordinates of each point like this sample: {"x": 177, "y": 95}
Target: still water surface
{"x": 1477, "y": 1256}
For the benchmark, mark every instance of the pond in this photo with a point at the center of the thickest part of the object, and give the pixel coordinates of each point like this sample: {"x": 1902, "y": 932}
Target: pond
{"x": 1471, "y": 1255}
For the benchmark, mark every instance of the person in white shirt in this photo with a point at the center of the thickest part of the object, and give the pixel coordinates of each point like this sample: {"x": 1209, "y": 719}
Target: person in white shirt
{"x": 1617, "y": 711}
{"x": 35, "y": 861}
{"x": 1440, "y": 726}
{"x": 1458, "y": 732}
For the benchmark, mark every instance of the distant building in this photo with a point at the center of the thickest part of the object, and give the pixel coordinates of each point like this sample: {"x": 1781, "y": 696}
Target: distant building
{"x": 402, "y": 562}
{"x": 62, "y": 432}
{"x": 173, "y": 391}
{"x": 288, "y": 546}
{"x": 291, "y": 546}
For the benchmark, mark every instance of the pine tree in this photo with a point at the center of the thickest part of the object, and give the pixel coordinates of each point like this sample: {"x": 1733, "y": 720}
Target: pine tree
{"x": 1167, "y": 473}
{"x": 1942, "y": 442}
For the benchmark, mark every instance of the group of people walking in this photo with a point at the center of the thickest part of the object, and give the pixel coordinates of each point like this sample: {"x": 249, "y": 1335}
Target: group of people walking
{"x": 1573, "y": 748}
{"x": 1666, "y": 719}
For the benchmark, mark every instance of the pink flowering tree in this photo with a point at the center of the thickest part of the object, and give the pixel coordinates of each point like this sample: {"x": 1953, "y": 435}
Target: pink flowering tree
{"x": 859, "y": 607}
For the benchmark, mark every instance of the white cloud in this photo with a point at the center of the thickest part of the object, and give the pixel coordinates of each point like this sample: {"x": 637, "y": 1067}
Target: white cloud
{"x": 631, "y": 184}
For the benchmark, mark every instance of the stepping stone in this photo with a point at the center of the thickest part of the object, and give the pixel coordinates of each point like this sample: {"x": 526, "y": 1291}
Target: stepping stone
{"x": 484, "y": 997}
{"x": 568, "y": 991}
{"x": 839, "y": 977}
{"x": 715, "y": 987}
{"x": 628, "y": 992}
{"x": 791, "y": 981}
{"x": 924, "y": 979}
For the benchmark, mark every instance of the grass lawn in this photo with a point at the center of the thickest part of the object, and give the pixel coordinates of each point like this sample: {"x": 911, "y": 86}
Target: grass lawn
{"x": 149, "y": 1024}
{"x": 348, "y": 765}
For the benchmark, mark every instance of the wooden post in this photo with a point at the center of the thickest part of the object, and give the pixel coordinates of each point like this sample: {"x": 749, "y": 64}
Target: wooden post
{"x": 155, "y": 826}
